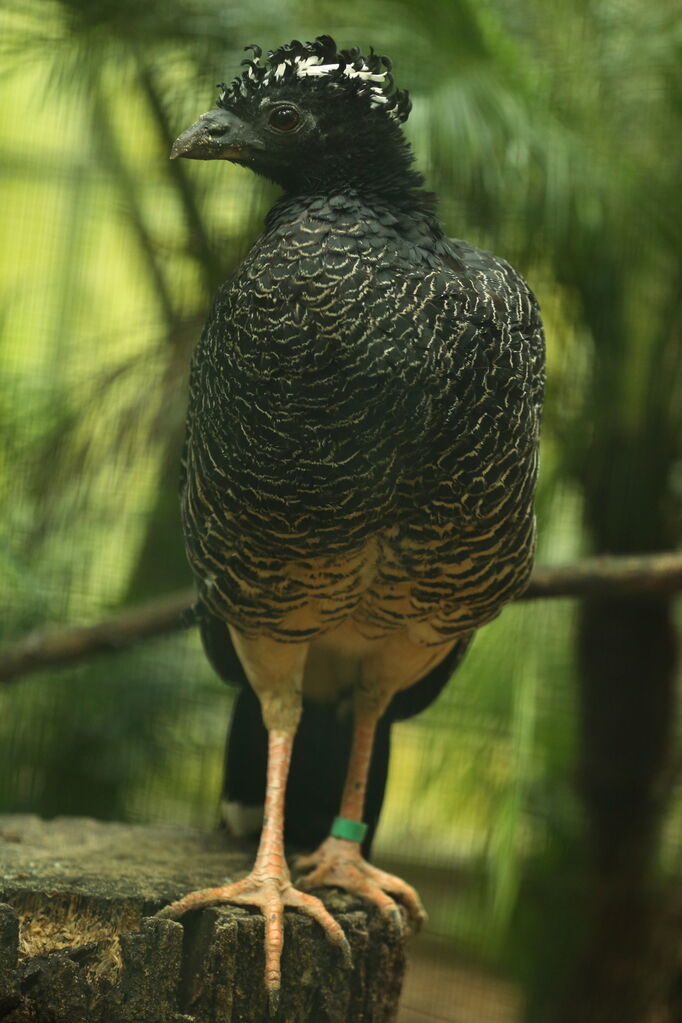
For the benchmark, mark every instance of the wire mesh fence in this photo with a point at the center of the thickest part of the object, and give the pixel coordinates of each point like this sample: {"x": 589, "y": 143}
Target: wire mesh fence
{"x": 542, "y": 132}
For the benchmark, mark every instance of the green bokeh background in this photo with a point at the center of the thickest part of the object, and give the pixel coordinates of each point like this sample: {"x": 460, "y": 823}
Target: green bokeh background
{"x": 551, "y": 133}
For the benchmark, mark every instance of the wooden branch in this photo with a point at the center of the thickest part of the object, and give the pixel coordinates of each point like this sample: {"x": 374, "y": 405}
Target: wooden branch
{"x": 608, "y": 576}
{"x": 77, "y": 941}
{"x": 46, "y": 648}
{"x": 657, "y": 574}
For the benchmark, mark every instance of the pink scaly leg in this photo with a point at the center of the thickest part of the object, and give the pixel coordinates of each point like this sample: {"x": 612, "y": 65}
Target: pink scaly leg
{"x": 339, "y": 861}
{"x": 269, "y": 886}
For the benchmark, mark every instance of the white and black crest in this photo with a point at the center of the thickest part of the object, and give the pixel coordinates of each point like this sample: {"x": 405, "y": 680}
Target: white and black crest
{"x": 320, "y": 64}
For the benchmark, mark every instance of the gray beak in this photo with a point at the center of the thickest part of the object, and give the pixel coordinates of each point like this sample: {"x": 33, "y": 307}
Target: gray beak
{"x": 217, "y": 135}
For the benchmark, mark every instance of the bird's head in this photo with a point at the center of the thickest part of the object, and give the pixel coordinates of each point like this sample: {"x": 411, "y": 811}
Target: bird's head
{"x": 308, "y": 116}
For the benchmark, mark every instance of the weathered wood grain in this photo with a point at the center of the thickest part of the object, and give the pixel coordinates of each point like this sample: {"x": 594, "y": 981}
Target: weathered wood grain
{"x": 77, "y": 944}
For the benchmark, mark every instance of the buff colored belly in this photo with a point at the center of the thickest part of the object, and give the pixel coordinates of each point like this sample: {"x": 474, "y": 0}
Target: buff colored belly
{"x": 344, "y": 658}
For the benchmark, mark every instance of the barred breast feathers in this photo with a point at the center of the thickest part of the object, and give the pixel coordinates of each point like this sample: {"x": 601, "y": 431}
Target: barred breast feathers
{"x": 364, "y": 384}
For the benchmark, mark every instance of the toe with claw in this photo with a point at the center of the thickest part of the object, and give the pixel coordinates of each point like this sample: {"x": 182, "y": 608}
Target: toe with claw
{"x": 270, "y": 893}
{"x": 339, "y": 862}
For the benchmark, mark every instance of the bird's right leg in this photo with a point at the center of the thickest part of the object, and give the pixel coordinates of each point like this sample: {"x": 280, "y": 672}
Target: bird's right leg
{"x": 269, "y": 886}
{"x": 338, "y": 861}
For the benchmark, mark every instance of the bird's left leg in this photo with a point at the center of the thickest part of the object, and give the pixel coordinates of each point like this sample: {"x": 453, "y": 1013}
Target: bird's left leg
{"x": 339, "y": 861}
{"x": 275, "y": 671}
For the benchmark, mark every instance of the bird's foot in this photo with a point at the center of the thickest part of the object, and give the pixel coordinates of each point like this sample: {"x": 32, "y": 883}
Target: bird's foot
{"x": 270, "y": 892}
{"x": 340, "y": 863}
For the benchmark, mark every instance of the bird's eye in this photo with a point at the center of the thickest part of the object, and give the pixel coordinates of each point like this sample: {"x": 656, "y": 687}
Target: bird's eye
{"x": 284, "y": 119}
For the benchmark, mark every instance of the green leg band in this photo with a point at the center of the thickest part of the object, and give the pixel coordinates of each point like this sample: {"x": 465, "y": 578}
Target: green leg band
{"x": 354, "y": 831}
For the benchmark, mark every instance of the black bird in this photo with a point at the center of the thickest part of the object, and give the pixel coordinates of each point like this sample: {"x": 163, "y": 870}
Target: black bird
{"x": 362, "y": 442}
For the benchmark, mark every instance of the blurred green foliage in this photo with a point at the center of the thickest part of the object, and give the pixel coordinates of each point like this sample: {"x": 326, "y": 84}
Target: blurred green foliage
{"x": 551, "y": 133}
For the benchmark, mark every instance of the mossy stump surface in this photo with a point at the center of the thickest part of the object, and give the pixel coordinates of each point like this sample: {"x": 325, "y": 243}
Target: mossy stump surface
{"x": 77, "y": 944}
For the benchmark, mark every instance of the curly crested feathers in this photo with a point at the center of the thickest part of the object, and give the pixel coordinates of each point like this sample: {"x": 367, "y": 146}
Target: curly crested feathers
{"x": 320, "y": 66}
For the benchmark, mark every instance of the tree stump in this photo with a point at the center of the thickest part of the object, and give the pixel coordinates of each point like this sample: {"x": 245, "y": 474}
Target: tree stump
{"x": 77, "y": 944}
